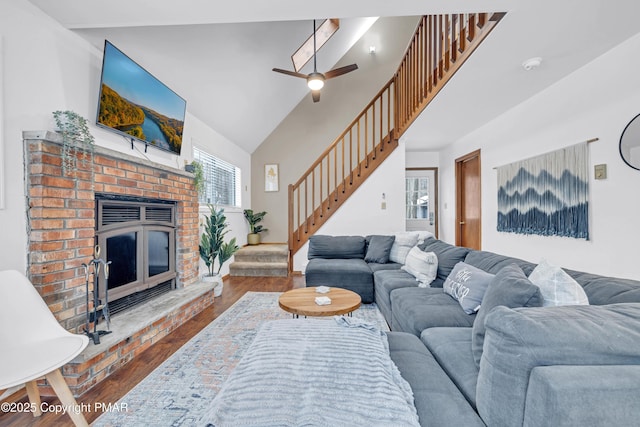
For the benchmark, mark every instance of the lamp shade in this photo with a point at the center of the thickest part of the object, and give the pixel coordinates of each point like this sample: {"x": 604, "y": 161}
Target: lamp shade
{"x": 315, "y": 81}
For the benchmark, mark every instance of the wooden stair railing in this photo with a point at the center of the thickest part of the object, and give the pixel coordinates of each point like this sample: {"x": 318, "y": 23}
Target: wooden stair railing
{"x": 343, "y": 166}
{"x": 440, "y": 45}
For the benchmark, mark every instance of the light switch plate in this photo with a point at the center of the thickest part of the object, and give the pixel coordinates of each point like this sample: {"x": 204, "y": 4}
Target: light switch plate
{"x": 600, "y": 171}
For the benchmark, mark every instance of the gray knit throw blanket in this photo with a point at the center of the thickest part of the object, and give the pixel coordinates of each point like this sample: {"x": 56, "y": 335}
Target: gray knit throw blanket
{"x": 315, "y": 372}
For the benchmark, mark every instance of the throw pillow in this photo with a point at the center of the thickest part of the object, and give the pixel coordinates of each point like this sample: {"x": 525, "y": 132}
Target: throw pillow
{"x": 402, "y": 245}
{"x": 467, "y": 285}
{"x": 556, "y": 286}
{"x": 379, "y": 248}
{"x": 448, "y": 257}
{"x": 421, "y": 265}
{"x": 510, "y": 288}
{"x": 424, "y": 235}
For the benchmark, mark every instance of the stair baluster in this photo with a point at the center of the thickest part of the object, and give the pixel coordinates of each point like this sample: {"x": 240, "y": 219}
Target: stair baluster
{"x": 440, "y": 45}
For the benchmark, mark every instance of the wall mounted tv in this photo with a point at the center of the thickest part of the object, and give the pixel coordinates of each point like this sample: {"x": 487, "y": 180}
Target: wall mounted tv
{"x": 137, "y": 105}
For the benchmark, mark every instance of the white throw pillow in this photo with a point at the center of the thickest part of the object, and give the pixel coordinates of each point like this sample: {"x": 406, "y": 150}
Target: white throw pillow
{"x": 402, "y": 245}
{"x": 556, "y": 286}
{"x": 424, "y": 235}
{"x": 421, "y": 265}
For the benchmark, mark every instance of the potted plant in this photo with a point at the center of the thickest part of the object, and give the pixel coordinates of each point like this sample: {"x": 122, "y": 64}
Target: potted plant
{"x": 253, "y": 218}
{"x": 212, "y": 246}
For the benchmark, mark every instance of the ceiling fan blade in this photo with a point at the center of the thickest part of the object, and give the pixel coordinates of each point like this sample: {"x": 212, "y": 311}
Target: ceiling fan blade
{"x": 290, "y": 73}
{"x": 315, "y": 94}
{"x": 340, "y": 71}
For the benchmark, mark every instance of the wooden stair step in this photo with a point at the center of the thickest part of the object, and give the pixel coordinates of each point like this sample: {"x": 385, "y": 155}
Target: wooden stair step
{"x": 263, "y": 253}
{"x": 255, "y": 269}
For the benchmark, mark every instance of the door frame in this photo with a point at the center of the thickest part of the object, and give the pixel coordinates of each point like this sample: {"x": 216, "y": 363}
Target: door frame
{"x": 459, "y": 189}
{"x": 435, "y": 198}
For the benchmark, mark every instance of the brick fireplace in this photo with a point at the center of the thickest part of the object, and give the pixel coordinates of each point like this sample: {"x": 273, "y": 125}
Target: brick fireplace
{"x": 61, "y": 220}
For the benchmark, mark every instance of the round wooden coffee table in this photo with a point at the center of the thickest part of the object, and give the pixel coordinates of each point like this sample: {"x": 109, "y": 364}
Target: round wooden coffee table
{"x": 301, "y": 302}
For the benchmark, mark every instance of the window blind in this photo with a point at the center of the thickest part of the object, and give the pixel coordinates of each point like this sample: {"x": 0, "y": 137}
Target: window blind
{"x": 223, "y": 183}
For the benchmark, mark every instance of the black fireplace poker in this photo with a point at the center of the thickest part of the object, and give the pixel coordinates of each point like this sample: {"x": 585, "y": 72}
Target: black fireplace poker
{"x": 100, "y": 308}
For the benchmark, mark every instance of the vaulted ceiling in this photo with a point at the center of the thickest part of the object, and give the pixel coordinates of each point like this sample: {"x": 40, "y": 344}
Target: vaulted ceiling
{"x": 219, "y": 56}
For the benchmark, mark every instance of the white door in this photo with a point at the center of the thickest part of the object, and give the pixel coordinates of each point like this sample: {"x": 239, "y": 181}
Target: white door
{"x": 422, "y": 199}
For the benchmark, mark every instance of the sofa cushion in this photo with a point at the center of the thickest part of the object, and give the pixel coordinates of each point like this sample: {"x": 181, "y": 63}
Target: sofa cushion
{"x": 451, "y": 347}
{"x": 467, "y": 285}
{"x": 608, "y": 396}
{"x": 448, "y": 256}
{"x": 607, "y": 290}
{"x": 492, "y": 263}
{"x": 436, "y": 397}
{"x": 336, "y": 247}
{"x": 421, "y": 265}
{"x": 557, "y": 287}
{"x": 402, "y": 245}
{"x": 416, "y": 309}
{"x": 517, "y": 340}
{"x": 378, "y": 248}
{"x": 384, "y": 282}
{"x": 352, "y": 274}
{"x": 510, "y": 288}
{"x": 388, "y": 266}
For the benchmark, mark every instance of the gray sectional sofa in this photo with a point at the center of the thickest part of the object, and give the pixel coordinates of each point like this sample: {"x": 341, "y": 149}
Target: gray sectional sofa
{"x": 342, "y": 261}
{"x": 519, "y": 364}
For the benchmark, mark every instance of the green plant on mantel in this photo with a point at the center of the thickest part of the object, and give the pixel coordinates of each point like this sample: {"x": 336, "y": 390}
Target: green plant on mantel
{"x": 199, "y": 181}
{"x": 77, "y": 141}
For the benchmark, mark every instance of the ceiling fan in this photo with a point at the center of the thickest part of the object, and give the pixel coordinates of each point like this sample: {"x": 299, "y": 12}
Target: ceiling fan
{"x": 315, "y": 80}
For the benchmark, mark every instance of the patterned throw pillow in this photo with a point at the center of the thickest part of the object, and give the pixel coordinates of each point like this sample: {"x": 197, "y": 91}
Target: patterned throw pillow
{"x": 402, "y": 245}
{"x": 556, "y": 286}
{"x": 467, "y": 285}
{"x": 421, "y": 265}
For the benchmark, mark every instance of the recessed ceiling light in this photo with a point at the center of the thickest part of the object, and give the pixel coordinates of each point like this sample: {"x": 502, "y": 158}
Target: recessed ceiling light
{"x": 532, "y": 63}
{"x": 372, "y": 50}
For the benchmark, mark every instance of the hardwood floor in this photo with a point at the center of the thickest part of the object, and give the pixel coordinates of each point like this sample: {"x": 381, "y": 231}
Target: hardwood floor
{"x": 118, "y": 384}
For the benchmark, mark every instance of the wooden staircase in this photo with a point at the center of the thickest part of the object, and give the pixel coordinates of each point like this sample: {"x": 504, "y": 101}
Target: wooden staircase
{"x": 261, "y": 260}
{"x": 440, "y": 45}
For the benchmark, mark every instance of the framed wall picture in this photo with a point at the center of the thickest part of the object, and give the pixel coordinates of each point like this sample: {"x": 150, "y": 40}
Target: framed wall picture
{"x": 271, "y": 177}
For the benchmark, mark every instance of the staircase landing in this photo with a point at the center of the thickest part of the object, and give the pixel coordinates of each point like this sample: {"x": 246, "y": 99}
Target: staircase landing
{"x": 261, "y": 260}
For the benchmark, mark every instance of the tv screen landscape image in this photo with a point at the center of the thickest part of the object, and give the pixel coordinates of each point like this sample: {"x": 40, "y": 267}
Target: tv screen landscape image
{"x": 136, "y": 104}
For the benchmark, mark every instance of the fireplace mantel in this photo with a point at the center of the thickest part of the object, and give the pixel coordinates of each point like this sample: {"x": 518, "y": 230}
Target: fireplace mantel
{"x": 55, "y": 137}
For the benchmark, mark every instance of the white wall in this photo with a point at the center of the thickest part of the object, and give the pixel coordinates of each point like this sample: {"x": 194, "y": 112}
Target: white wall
{"x": 362, "y": 213}
{"x": 48, "y": 68}
{"x": 422, "y": 159}
{"x": 595, "y": 101}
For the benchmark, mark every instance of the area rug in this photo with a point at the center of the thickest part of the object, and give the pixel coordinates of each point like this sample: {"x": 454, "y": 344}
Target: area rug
{"x": 178, "y": 391}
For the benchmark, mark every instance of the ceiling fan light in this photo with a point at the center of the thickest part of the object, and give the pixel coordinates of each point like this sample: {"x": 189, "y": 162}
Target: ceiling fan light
{"x": 315, "y": 81}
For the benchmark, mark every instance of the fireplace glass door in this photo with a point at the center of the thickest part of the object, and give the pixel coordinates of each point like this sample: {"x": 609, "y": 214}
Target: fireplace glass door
{"x": 140, "y": 244}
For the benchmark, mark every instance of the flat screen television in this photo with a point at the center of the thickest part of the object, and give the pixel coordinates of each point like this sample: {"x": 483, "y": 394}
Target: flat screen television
{"x": 137, "y": 105}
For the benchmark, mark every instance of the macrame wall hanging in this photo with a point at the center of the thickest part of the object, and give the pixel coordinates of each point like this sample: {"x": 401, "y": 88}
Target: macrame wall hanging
{"x": 546, "y": 195}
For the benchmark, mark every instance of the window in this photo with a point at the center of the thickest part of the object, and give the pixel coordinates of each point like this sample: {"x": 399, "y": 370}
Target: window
{"x": 417, "y": 197}
{"x": 223, "y": 183}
